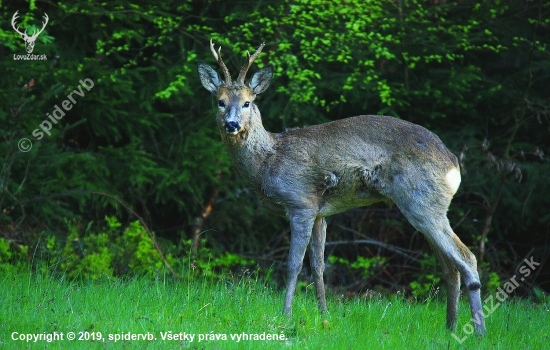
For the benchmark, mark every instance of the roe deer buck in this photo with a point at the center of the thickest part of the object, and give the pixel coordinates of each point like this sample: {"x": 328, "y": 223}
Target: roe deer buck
{"x": 321, "y": 170}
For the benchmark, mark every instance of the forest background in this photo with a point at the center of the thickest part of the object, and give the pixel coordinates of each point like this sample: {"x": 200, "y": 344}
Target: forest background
{"x": 134, "y": 179}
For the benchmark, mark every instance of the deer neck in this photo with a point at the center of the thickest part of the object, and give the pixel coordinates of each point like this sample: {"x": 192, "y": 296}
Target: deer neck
{"x": 250, "y": 150}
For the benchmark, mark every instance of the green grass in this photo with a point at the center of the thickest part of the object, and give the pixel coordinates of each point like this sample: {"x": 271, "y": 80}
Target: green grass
{"x": 35, "y": 303}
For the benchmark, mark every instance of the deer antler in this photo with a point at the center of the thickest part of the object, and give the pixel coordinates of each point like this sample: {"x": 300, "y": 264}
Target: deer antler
{"x": 43, "y": 25}
{"x": 13, "y": 23}
{"x": 248, "y": 63}
{"x": 35, "y": 33}
{"x": 218, "y": 57}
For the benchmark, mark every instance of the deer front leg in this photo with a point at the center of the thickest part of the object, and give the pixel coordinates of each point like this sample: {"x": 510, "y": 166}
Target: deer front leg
{"x": 301, "y": 225}
{"x": 317, "y": 260}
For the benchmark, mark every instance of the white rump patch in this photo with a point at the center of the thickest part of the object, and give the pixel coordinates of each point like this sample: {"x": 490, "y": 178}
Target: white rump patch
{"x": 453, "y": 179}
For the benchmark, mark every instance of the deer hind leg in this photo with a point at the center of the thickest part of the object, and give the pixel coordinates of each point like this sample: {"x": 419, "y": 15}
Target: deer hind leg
{"x": 452, "y": 277}
{"x": 301, "y": 225}
{"x": 468, "y": 268}
{"x": 430, "y": 219}
{"x": 317, "y": 260}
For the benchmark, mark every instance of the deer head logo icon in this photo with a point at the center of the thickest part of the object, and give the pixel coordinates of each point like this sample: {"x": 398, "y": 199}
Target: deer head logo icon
{"x": 29, "y": 39}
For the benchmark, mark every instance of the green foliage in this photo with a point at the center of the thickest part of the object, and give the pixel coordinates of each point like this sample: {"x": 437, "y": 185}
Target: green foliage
{"x": 213, "y": 266}
{"x": 365, "y": 266}
{"x": 96, "y": 255}
{"x": 5, "y": 253}
{"x": 493, "y": 282}
{"x": 426, "y": 283}
{"x": 146, "y": 258}
{"x": 87, "y": 257}
{"x": 5, "y": 256}
{"x": 12, "y": 256}
{"x": 128, "y": 251}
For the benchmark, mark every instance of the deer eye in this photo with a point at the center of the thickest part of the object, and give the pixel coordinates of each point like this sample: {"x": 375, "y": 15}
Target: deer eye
{"x": 246, "y": 105}
{"x": 221, "y": 103}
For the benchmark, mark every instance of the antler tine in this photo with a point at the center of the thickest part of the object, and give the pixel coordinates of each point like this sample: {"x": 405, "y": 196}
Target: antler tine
{"x": 37, "y": 32}
{"x": 213, "y": 50}
{"x": 248, "y": 63}
{"x": 14, "y": 22}
{"x": 218, "y": 57}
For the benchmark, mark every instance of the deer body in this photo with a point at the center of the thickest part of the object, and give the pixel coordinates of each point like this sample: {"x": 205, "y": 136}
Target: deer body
{"x": 321, "y": 170}
{"x": 357, "y": 166}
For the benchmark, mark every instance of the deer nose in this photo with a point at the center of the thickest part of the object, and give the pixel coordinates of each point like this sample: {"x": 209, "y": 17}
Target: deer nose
{"x": 232, "y": 127}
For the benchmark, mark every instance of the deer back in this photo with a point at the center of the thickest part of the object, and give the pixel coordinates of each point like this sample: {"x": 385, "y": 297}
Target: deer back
{"x": 357, "y": 161}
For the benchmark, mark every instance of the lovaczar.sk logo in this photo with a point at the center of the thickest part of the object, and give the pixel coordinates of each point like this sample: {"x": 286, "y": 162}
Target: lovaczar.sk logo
{"x": 29, "y": 39}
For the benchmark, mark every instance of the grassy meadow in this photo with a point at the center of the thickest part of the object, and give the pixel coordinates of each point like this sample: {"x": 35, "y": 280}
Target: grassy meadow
{"x": 216, "y": 314}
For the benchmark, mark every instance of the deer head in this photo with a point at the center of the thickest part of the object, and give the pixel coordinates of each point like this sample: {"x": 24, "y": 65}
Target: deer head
{"x": 236, "y": 110}
{"x": 29, "y": 40}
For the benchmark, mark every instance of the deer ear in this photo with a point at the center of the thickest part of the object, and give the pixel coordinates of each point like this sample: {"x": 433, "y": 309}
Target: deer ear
{"x": 260, "y": 80}
{"x": 210, "y": 79}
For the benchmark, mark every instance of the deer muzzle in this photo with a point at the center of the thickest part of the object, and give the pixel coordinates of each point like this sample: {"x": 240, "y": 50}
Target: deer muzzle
{"x": 232, "y": 127}
{"x": 231, "y": 124}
